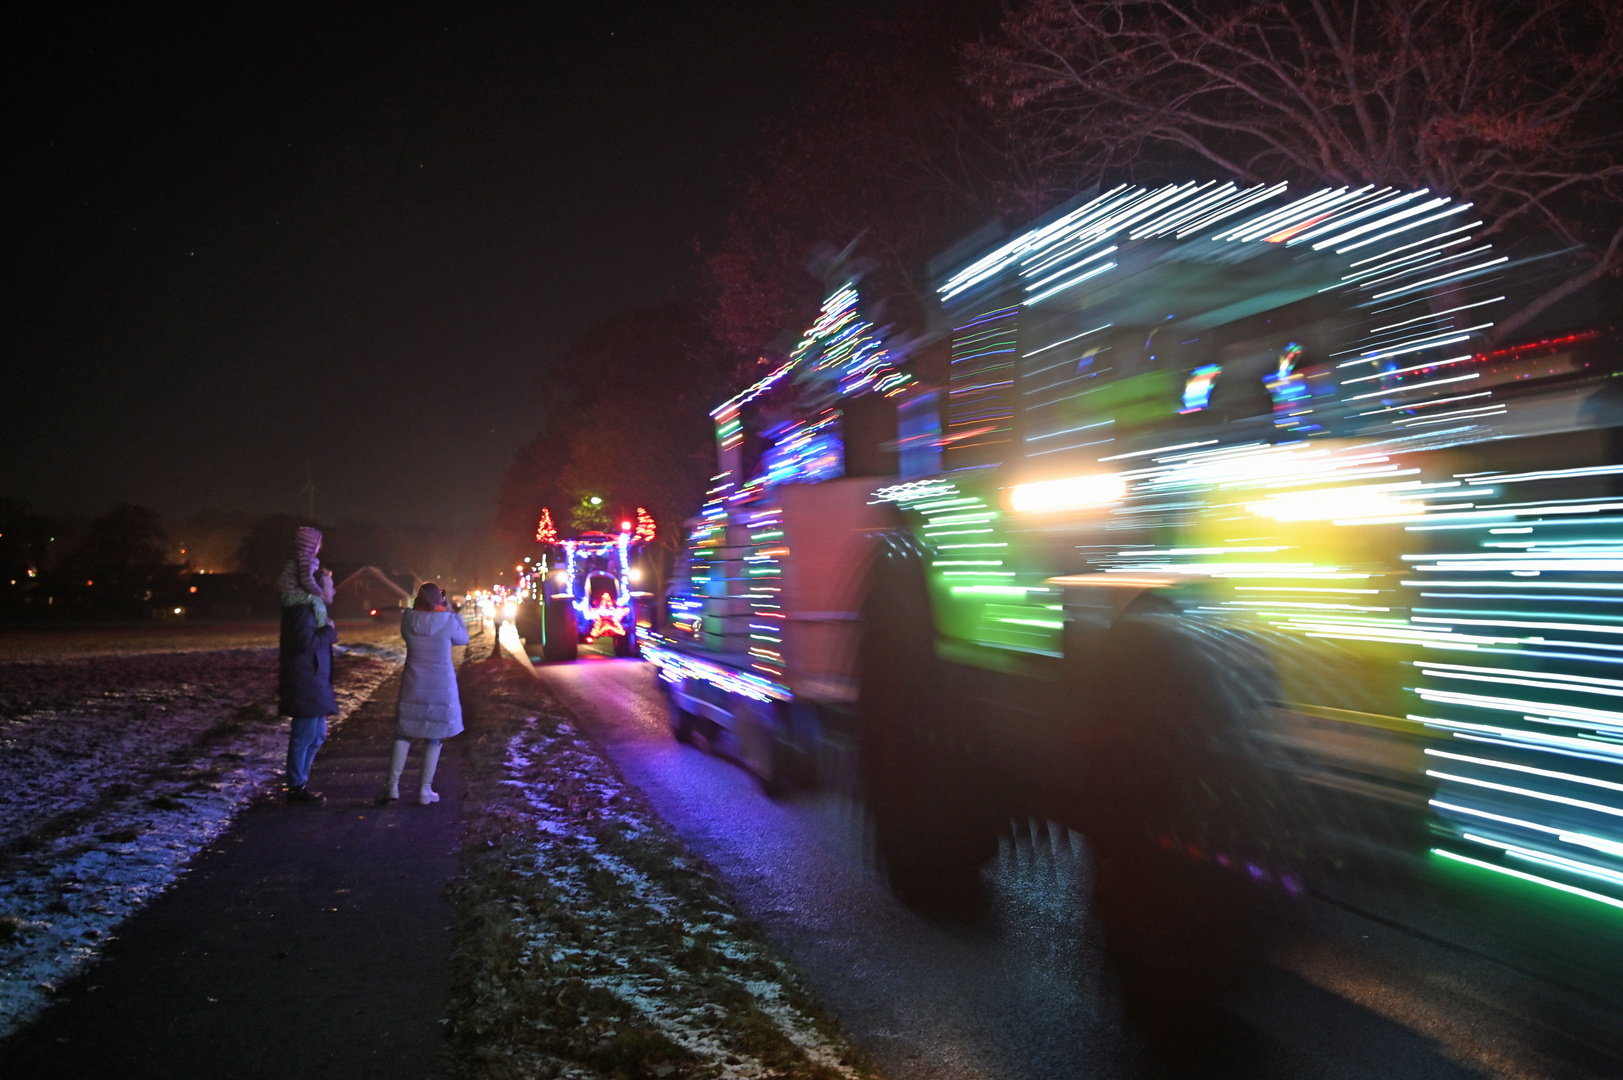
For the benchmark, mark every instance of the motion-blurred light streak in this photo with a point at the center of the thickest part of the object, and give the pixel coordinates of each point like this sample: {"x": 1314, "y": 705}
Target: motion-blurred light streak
{"x": 1535, "y": 879}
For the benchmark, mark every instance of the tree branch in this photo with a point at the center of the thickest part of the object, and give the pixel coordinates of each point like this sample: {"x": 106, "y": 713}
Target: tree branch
{"x": 1609, "y": 261}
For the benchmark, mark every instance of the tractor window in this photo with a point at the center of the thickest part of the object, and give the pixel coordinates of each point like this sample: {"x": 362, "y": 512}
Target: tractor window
{"x": 918, "y": 429}
{"x": 870, "y": 436}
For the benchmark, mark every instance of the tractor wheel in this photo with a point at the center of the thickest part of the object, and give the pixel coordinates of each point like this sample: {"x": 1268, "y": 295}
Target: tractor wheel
{"x": 626, "y": 646}
{"x": 560, "y": 640}
{"x": 1186, "y": 823}
{"x": 930, "y": 826}
{"x": 683, "y": 723}
{"x": 528, "y": 624}
{"x": 763, "y": 747}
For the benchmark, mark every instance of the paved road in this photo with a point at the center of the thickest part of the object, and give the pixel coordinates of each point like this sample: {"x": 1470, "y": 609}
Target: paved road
{"x": 1023, "y": 997}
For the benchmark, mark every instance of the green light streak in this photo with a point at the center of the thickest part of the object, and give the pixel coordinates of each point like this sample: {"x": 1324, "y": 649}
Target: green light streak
{"x": 1534, "y": 878}
{"x": 1000, "y": 590}
{"x": 962, "y": 519}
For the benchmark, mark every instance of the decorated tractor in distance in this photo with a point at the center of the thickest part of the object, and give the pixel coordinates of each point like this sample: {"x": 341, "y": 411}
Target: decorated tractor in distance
{"x": 586, "y": 587}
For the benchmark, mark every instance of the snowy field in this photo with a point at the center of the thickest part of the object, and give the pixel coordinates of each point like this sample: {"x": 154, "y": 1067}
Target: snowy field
{"x": 73, "y": 642}
{"x": 121, "y": 758}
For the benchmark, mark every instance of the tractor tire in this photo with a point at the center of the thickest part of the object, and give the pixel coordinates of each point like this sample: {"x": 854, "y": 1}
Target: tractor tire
{"x": 683, "y": 723}
{"x": 626, "y": 646}
{"x": 763, "y": 747}
{"x": 931, "y": 829}
{"x": 560, "y": 641}
{"x": 528, "y": 622}
{"x": 1186, "y": 822}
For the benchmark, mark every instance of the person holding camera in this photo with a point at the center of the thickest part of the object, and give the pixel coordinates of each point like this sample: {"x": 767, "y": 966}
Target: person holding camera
{"x": 304, "y": 661}
{"x": 428, "y": 708}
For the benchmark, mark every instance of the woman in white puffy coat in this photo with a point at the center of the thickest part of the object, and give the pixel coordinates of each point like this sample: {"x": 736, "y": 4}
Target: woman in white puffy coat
{"x": 429, "y": 708}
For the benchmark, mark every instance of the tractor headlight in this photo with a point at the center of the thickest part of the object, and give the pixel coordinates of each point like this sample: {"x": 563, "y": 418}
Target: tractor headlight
{"x": 1072, "y": 493}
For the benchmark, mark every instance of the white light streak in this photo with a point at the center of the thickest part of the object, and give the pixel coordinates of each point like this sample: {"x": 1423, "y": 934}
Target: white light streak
{"x": 1158, "y": 450}
{"x": 1542, "y": 796}
{"x": 1245, "y": 202}
{"x": 1546, "y": 474}
{"x": 1095, "y": 272}
{"x": 1510, "y": 766}
{"x": 1035, "y": 285}
{"x": 1442, "y": 277}
{"x": 1365, "y": 281}
{"x": 1414, "y": 225}
{"x": 1405, "y": 247}
{"x": 1428, "y": 365}
{"x": 1480, "y": 413}
{"x": 1542, "y": 712}
{"x": 1436, "y": 315}
{"x": 1067, "y": 341}
{"x": 1305, "y": 207}
{"x": 1414, "y": 386}
{"x": 1379, "y": 208}
{"x": 1428, "y": 404}
{"x": 1519, "y": 624}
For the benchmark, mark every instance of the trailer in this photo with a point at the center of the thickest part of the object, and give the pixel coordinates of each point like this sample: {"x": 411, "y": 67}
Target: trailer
{"x": 759, "y": 635}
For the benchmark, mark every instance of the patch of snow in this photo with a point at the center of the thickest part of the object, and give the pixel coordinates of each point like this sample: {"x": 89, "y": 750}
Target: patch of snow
{"x": 574, "y": 800}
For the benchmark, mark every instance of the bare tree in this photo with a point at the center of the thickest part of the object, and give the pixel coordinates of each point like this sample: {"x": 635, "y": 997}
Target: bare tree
{"x": 1511, "y": 104}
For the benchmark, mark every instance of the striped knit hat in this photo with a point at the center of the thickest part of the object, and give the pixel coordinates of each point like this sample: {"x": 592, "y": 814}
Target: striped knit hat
{"x": 306, "y": 542}
{"x": 299, "y": 572}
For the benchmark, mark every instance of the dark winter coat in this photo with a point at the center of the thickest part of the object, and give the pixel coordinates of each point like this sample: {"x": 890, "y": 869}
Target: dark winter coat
{"x": 305, "y": 682}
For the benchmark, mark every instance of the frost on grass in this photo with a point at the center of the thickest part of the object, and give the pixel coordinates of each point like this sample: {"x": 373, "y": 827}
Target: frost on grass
{"x": 114, "y": 773}
{"x": 593, "y": 944}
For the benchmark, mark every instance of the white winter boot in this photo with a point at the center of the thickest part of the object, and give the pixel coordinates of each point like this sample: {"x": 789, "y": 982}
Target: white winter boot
{"x": 427, "y": 796}
{"x": 397, "y": 765}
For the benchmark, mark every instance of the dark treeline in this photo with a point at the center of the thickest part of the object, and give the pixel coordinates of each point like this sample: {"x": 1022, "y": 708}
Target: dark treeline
{"x": 130, "y": 563}
{"x": 624, "y": 418}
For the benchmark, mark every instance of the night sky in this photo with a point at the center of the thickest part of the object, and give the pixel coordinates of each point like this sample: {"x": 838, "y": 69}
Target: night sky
{"x": 244, "y": 238}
